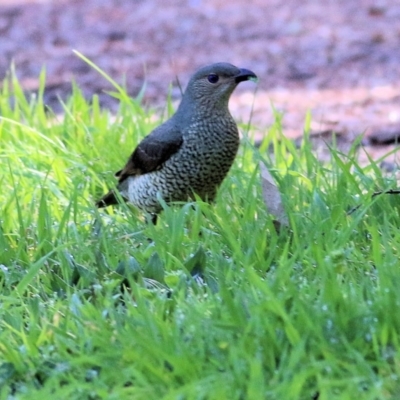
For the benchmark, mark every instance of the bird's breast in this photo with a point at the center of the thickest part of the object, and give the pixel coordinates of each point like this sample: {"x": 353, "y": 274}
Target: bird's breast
{"x": 206, "y": 155}
{"x": 213, "y": 135}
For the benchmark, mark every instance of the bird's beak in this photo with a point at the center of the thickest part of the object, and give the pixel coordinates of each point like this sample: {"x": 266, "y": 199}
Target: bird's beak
{"x": 245, "y": 75}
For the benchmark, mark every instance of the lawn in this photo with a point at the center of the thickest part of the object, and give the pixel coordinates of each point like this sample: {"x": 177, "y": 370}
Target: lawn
{"x": 212, "y": 302}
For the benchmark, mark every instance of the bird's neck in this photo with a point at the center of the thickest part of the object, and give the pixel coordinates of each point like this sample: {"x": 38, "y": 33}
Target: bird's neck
{"x": 202, "y": 108}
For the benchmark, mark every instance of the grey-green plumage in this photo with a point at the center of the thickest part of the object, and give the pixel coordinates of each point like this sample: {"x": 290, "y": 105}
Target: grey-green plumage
{"x": 190, "y": 153}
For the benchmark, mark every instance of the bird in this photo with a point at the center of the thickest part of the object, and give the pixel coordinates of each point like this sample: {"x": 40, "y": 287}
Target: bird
{"x": 190, "y": 153}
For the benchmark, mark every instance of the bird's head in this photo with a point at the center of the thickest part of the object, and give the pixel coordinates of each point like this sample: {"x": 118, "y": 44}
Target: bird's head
{"x": 211, "y": 86}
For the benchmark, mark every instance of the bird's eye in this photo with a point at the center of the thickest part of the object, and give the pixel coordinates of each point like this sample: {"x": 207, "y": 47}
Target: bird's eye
{"x": 213, "y": 78}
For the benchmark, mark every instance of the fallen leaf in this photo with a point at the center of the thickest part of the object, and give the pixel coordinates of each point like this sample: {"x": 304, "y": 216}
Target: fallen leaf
{"x": 272, "y": 197}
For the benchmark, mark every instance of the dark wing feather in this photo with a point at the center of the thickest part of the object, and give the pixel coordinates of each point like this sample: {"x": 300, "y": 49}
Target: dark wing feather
{"x": 153, "y": 151}
{"x": 108, "y": 199}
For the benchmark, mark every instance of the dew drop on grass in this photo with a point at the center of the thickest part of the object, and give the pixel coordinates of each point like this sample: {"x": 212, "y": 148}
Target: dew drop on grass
{"x": 378, "y": 384}
{"x": 61, "y": 367}
{"x": 91, "y": 374}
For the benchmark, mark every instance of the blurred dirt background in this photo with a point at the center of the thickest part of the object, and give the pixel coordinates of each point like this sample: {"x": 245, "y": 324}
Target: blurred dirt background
{"x": 338, "y": 58}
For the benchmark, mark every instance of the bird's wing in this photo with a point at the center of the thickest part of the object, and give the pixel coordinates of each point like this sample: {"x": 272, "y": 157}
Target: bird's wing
{"x": 153, "y": 151}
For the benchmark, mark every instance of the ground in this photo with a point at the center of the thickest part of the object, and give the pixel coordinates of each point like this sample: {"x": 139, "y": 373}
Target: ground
{"x": 340, "y": 59}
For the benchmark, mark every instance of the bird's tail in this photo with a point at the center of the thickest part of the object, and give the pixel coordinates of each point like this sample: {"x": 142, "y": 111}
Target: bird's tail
{"x": 108, "y": 199}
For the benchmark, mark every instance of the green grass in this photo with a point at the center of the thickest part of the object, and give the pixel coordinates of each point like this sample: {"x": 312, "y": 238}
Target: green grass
{"x": 91, "y": 308}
